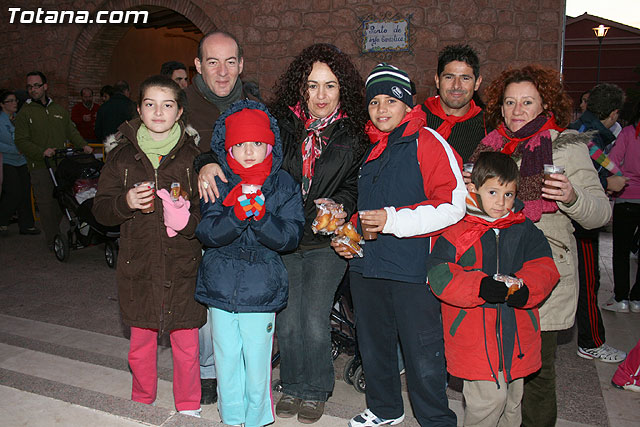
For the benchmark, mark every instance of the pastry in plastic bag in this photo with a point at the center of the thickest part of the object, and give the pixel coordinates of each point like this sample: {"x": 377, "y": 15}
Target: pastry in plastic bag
{"x": 326, "y": 221}
{"x": 352, "y": 247}
{"x": 513, "y": 283}
{"x": 348, "y": 230}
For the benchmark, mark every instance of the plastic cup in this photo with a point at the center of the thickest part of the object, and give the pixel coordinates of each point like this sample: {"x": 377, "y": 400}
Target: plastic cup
{"x": 548, "y": 170}
{"x": 367, "y": 234}
{"x": 151, "y": 208}
{"x": 250, "y": 188}
{"x": 467, "y": 167}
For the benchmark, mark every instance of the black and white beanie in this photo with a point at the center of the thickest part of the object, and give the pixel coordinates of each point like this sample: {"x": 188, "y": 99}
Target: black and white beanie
{"x": 389, "y": 80}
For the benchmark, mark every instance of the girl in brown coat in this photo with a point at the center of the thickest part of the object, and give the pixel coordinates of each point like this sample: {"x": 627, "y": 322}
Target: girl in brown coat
{"x": 159, "y": 254}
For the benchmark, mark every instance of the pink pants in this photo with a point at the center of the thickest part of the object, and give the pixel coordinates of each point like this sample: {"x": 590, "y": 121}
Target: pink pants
{"x": 143, "y": 356}
{"x": 628, "y": 372}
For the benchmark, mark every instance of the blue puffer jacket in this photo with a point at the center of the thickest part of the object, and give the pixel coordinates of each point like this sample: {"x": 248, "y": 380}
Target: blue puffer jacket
{"x": 241, "y": 271}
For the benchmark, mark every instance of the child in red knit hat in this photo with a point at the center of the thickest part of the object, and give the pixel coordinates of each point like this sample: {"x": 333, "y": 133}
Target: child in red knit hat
{"x": 242, "y": 278}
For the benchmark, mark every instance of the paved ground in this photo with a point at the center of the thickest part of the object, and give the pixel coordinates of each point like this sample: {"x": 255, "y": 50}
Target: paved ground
{"x": 63, "y": 353}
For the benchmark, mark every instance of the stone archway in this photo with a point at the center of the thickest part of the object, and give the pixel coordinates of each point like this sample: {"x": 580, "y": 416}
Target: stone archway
{"x": 95, "y": 44}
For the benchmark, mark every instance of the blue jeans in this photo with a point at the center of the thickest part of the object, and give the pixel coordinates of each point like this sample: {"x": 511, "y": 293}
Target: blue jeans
{"x": 303, "y": 328}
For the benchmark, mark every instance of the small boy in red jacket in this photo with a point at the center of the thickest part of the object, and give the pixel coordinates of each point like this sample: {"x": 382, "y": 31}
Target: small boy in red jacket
{"x": 492, "y": 330}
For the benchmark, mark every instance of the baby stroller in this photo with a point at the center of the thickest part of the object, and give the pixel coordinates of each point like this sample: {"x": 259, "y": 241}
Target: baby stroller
{"x": 75, "y": 180}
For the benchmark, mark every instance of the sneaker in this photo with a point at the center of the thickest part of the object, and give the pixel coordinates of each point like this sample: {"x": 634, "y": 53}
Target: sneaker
{"x": 209, "y": 394}
{"x": 604, "y": 352}
{"x": 630, "y": 387}
{"x": 192, "y": 412}
{"x": 310, "y": 411}
{"x": 634, "y": 306}
{"x": 288, "y": 406}
{"x": 368, "y": 419}
{"x": 618, "y": 306}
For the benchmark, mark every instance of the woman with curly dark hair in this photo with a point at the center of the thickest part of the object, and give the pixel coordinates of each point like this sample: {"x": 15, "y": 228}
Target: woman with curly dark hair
{"x": 530, "y": 110}
{"x": 319, "y": 105}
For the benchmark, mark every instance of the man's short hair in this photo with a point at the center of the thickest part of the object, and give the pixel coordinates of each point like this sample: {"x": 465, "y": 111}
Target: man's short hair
{"x": 459, "y": 52}
{"x": 121, "y": 86}
{"x": 108, "y": 89}
{"x": 169, "y": 67}
{"x": 86, "y": 88}
{"x": 223, "y": 33}
{"x": 493, "y": 164}
{"x": 605, "y": 98}
{"x": 39, "y": 74}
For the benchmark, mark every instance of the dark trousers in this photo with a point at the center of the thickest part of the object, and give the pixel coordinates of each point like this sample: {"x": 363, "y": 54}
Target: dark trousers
{"x": 626, "y": 220}
{"x": 48, "y": 207}
{"x": 539, "y": 406}
{"x": 386, "y": 310}
{"x": 16, "y": 196}
{"x": 588, "y": 316}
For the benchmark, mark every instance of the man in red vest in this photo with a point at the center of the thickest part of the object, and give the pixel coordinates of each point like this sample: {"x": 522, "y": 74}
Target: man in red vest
{"x": 453, "y": 113}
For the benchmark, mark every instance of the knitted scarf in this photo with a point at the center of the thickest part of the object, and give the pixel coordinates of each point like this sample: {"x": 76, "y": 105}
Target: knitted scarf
{"x": 156, "y": 150}
{"x": 598, "y": 156}
{"x": 221, "y": 102}
{"x": 415, "y": 119}
{"x": 434, "y": 105}
{"x": 255, "y": 175}
{"x": 479, "y": 222}
{"x": 314, "y": 143}
{"x": 532, "y": 143}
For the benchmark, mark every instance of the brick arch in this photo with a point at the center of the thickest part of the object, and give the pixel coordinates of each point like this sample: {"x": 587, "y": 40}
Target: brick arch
{"x": 95, "y": 44}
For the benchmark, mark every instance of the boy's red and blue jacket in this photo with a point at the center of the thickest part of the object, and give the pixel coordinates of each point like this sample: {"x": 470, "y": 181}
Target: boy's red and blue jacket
{"x": 481, "y": 338}
{"x": 241, "y": 269}
{"x": 413, "y": 174}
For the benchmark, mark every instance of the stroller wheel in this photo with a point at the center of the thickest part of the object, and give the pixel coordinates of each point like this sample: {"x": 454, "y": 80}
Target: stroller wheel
{"x": 358, "y": 380}
{"x": 110, "y": 253}
{"x": 335, "y": 349}
{"x": 350, "y": 370}
{"x": 61, "y": 247}
{"x": 276, "y": 386}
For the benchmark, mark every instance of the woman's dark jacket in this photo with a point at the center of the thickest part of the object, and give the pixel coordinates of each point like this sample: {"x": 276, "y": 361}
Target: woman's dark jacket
{"x": 156, "y": 274}
{"x": 242, "y": 271}
{"x": 336, "y": 170}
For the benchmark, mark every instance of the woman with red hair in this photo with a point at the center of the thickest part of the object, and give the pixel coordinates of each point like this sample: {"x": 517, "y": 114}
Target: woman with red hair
{"x": 530, "y": 110}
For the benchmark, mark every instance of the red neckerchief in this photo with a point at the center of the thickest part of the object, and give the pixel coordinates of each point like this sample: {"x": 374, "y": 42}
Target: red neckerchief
{"x": 434, "y": 105}
{"x": 511, "y": 146}
{"x": 255, "y": 175}
{"x": 478, "y": 225}
{"x": 416, "y": 119}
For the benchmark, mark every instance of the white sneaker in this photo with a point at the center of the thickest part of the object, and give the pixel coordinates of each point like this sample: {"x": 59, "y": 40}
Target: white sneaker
{"x": 628, "y": 386}
{"x": 192, "y": 412}
{"x": 634, "y": 306}
{"x": 617, "y": 306}
{"x": 604, "y": 352}
{"x": 369, "y": 419}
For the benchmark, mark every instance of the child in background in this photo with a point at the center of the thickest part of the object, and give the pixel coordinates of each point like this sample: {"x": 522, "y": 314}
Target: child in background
{"x": 410, "y": 185}
{"x": 491, "y": 335}
{"x": 242, "y": 278}
{"x": 159, "y": 253}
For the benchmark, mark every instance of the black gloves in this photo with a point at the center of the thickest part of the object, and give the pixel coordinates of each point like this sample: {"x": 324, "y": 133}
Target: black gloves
{"x": 519, "y": 298}
{"x": 492, "y": 291}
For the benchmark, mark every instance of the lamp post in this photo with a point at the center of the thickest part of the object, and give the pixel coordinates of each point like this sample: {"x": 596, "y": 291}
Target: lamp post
{"x": 600, "y": 31}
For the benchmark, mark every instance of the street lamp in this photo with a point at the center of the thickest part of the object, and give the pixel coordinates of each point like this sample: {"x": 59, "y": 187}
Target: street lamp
{"x": 600, "y": 31}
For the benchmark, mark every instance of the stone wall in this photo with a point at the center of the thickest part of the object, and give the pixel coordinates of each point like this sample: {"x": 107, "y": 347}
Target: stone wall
{"x": 505, "y": 33}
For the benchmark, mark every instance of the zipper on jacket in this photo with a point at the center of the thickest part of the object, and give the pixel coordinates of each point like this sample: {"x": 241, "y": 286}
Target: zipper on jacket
{"x": 126, "y": 174}
{"x": 189, "y": 180}
{"x": 498, "y": 310}
{"x": 155, "y": 171}
{"x": 558, "y": 243}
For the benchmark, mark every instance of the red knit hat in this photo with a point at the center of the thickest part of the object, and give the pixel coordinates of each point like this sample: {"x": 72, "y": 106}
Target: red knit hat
{"x": 248, "y": 125}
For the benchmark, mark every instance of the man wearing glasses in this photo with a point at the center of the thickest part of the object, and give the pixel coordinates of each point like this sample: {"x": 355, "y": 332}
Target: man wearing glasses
{"x": 42, "y": 126}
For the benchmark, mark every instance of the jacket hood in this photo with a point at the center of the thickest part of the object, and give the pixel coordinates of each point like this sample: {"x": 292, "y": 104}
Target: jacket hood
{"x": 220, "y": 130}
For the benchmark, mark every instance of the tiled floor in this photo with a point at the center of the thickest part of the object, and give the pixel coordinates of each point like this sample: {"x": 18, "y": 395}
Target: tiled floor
{"x": 63, "y": 353}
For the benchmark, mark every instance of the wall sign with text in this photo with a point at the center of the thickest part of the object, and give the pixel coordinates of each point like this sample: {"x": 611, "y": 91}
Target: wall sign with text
{"x": 385, "y": 35}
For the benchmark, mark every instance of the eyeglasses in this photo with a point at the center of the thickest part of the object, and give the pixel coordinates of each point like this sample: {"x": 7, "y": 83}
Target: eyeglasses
{"x": 35, "y": 86}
